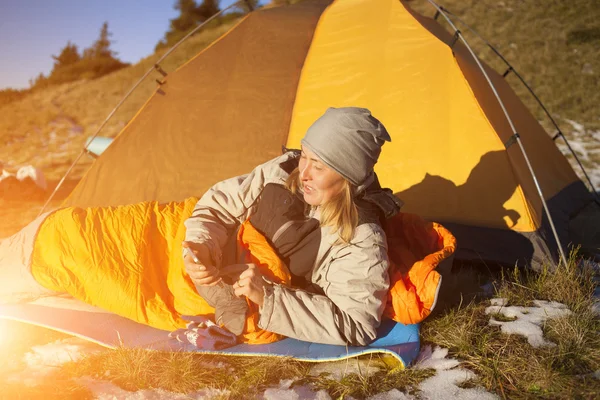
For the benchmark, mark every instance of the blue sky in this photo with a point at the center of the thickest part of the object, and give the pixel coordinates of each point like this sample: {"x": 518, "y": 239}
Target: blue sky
{"x": 31, "y": 31}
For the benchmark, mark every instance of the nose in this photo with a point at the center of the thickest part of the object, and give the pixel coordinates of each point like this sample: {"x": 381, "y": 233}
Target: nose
{"x": 304, "y": 172}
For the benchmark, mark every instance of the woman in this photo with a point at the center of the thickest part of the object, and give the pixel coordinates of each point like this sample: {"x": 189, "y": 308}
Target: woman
{"x": 321, "y": 210}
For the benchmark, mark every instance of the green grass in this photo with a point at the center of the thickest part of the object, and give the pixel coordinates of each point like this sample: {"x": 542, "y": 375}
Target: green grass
{"x": 507, "y": 364}
{"x": 183, "y": 372}
{"x": 504, "y": 364}
{"x": 360, "y": 386}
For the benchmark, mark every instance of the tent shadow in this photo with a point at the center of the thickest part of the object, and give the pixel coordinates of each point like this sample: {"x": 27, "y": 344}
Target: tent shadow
{"x": 476, "y": 215}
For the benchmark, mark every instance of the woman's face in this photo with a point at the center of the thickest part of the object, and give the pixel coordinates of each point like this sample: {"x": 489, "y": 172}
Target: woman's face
{"x": 319, "y": 182}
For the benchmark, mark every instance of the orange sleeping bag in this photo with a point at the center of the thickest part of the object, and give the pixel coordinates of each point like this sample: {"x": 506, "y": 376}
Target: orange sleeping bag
{"x": 415, "y": 249}
{"x": 128, "y": 260}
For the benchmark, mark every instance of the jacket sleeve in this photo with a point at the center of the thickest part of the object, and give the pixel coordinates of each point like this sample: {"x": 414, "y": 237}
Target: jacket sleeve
{"x": 227, "y": 204}
{"x": 354, "y": 298}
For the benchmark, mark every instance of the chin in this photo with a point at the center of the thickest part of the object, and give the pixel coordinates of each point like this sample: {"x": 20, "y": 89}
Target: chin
{"x": 310, "y": 201}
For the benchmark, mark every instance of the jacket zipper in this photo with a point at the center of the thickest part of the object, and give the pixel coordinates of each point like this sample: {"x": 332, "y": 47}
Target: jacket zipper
{"x": 281, "y": 230}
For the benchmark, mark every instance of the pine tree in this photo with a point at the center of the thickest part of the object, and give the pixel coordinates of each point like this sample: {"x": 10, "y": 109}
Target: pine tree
{"x": 69, "y": 55}
{"x": 208, "y": 8}
{"x": 248, "y": 5}
{"x": 101, "y": 47}
{"x": 188, "y": 16}
{"x": 39, "y": 81}
{"x": 97, "y": 60}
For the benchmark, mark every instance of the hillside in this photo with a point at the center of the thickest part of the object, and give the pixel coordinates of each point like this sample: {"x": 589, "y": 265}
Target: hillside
{"x": 49, "y": 127}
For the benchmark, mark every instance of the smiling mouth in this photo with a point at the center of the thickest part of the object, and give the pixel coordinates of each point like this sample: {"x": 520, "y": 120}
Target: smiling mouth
{"x": 307, "y": 189}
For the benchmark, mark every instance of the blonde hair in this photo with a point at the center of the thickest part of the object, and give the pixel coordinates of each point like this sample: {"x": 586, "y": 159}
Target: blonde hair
{"x": 340, "y": 212}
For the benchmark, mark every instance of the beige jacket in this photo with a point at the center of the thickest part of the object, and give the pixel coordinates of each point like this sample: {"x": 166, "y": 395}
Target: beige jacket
{"x": 351, "y": 280}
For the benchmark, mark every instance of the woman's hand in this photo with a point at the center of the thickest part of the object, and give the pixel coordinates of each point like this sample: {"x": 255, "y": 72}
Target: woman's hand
{"x": 250, "y": 283}
{"x": 203, "y": 272}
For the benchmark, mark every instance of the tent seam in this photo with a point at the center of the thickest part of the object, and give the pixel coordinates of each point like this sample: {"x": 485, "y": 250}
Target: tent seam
{"x": 294, "y": 94}
{"x": 302, "y": 71}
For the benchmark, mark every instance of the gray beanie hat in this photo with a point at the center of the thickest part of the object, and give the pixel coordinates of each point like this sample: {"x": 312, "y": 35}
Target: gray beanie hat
{"x": 348, "y": 140}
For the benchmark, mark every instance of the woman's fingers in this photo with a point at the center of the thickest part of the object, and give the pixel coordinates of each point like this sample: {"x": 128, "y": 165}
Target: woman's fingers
{"x": 199, "y": 251}
{"x": 204, "y": 279}
{"x": 241, "y": 283}
{"x": 247, "y": 277}
{"x": 190, "y": 265}
{"x": 201, "y": 274}
{"x": 244, "y": 288}
{"x": 250, "y": 284}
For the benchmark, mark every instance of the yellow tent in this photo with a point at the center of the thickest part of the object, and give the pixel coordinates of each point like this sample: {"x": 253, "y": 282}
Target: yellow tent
{"x": 454, "y": 156}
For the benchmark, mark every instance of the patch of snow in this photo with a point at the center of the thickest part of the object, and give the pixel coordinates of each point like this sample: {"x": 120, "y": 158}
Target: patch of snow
{"x": 498, "y": 301}
{"x": 586, "y": 144}
{"x": 596, "y": 308}
{"x": 579, "y": 148}
{"x": 579, "y": 128}
{"x": 444, "y": 385}
{"x": 435, "y": 359}
{"x": 104, "y": 390}
{"x": 5, "y": 174}
{"x": 441, "y": 386}
{"x": 45, "y": 359}
{"x": 393, "y": 394}
{"x": 337, "y": 370}
{"x": 286, "y": 392}
{"x": 528, "y": 320}
{"x": 36, "y": 174}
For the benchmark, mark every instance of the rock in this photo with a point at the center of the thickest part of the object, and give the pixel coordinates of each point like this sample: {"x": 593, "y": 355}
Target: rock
{"x": 23, "y": 185}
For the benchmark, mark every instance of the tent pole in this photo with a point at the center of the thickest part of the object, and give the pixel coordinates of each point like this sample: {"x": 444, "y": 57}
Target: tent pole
{"x": 156, "y": 67}
{"x": 516, "y": 137}
{"x": 535, "y": 96}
